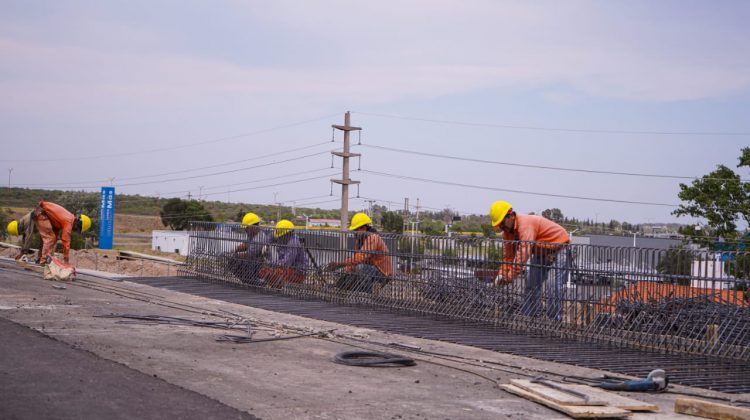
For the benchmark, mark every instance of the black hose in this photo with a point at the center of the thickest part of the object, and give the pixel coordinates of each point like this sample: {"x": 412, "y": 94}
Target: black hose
{"x": 372, "y": 359}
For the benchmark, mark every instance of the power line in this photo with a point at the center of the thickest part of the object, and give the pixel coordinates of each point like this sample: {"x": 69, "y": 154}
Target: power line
{"x": 183, "y": 146}
{"x": 479, "y": 187}
{"x": 559, "y": 129}
{"x": 221, "y": 172}
{"x": 274, "y": 185}
{"x": 554, "y": 168}
{"x": 191, "y": 169}
{"x": 233, "y": 184}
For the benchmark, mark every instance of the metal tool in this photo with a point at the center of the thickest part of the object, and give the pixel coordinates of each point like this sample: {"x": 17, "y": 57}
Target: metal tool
{"x": 656, "y": 381}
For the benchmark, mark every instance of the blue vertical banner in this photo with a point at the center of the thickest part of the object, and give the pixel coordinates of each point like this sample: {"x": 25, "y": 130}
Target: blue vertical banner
{"x": 107, "y": 218}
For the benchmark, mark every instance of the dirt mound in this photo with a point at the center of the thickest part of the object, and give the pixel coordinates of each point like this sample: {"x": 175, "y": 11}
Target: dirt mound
{"x": 108, "y": 261}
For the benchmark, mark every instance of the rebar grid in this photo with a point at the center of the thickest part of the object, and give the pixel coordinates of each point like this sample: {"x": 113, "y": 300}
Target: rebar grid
{"x": 670, "y": 301}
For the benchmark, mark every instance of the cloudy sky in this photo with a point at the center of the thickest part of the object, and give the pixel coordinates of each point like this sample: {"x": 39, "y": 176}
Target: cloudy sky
{"x": 234, "y": 100}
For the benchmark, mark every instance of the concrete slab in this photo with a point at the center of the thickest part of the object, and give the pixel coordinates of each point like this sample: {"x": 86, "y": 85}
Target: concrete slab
{"x": 280, "y": 379}
{"x": 44, "y": 378}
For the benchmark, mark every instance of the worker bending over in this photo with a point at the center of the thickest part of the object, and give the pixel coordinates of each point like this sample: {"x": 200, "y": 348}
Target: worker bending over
{"x": 26, "y": 229}
{"x": 371, "y": 264}
{"x": 289, "y": 263}
{"x": 549, "y": 251}
{"x": 54, "y": 222}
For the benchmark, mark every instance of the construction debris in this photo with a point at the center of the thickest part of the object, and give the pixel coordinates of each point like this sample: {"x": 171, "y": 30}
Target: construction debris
{"x": 578, "y": 401}
{"x": 710, "y": 410}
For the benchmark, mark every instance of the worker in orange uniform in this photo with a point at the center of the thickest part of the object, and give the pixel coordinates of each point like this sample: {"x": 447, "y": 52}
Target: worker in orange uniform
{"x": 371, "y": 264}
{"x": 289, "y": 262}
{"x": 54, "y": 222}
{"x": 541, "y": 242}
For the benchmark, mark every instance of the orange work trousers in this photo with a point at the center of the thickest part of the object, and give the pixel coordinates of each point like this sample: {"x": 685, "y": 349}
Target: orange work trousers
{"x": 279, "y": 276}
{"x": 49, "y": 237}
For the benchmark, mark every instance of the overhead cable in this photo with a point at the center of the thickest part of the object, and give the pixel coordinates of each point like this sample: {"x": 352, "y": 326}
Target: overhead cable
{"x": 184, "y": 170}
{"x": 479, "y": 187}
{"x": 554, "y": 168}
{"x": 223, "y": 172}
{"x": 560, "y": 129}
{"x": 183, "y": 146}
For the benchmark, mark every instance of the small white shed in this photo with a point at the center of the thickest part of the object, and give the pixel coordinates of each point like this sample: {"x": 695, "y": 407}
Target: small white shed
{"x": 177, "y": 241}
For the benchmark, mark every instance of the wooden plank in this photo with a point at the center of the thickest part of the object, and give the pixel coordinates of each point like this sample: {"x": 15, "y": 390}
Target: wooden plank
{"x": 613, "y": 399}
{"x": 575, "y": 411}
{"x": 710, "y": 410}
{"x": 30, "y": 267}
{"x": 556, "y": 395}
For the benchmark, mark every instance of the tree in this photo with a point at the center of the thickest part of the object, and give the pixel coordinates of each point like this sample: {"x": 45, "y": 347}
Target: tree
{"x": 5, "y": 218}
{"x": 178, "y": 214}
{"x": 392, "y": 222}
{"x": 553, "y": 214}
{"x": 676, "y": 263}
{"x": 719, "y": 197}
{"x": 487, "y": 230}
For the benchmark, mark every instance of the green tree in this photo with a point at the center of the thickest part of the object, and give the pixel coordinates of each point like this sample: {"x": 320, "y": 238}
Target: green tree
{"x": 5, "y": 218}
{"x": 178, "y": 213}
{"x": 739, "y": 266}
{"x": 392, "y": 222}
{"x": 553, "y": 214}
{"x": 487, "y": 230}
{"x": 676, "y": 263}
{"x": 719, "y": 197}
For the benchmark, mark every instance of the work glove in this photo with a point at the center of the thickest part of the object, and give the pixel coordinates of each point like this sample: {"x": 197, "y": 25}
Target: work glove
{"x": 332, "y": 266}
{"x": 499, "y": 281}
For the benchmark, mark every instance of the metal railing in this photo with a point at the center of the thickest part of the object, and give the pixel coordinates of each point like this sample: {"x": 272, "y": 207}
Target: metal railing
{"x": 673, "y": 301}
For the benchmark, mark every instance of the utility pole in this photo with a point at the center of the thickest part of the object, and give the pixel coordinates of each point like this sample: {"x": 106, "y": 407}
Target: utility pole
{"x": 417, "y": 213}
{"x": 370, "y": 210}
{"x": 278, "y": 208}
{"x": 345, "y": 181}
{"x": 406, "y": 213}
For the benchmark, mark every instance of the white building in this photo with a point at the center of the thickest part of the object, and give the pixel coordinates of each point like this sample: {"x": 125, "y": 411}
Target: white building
{"x": 334, "y": 223}
{"x": 711, "y": 274}
{"x": 177, "y": 241}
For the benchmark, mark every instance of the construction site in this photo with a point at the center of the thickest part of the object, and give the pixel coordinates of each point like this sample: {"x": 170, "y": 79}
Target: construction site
{"x": 374, "y": 210}
{"x": 221, "y": 328}
{"x": 458, "y": 345}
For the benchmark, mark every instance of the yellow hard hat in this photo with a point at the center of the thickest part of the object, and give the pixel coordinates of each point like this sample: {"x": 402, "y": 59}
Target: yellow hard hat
{"x": 282, "y": 228}
{"x": 13, "y": 228}
{"x": 85, "y": 223}
{"x": 498, "y": 210}
{"x": 250, "y": 219}
{"x": 359, "y": 220}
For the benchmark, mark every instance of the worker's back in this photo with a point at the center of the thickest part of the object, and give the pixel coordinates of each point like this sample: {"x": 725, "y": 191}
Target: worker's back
{"x": 58, "y": 216}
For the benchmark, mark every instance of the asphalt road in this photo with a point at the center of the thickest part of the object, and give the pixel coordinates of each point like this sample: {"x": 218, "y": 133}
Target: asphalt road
{"x": 43, "y": 378}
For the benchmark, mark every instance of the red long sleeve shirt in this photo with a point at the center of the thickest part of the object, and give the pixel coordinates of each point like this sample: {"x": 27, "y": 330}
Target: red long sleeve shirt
{"x": 373, "y": 251}
{"x": 529, "y": 228}
{"x": 61, "y": 221}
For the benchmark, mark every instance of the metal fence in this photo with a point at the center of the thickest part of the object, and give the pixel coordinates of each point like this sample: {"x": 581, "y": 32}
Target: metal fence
{"x": 673, "y": 301}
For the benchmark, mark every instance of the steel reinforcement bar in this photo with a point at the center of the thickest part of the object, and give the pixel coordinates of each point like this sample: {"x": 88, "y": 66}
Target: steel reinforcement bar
{"x": 679, "y": 301}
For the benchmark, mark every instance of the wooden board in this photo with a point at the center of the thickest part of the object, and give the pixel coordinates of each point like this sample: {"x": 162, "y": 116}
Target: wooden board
{"x": 555, "y": 395}
{"x": 575, "y": 411}
{"x": 710, "y": 410}
{"x": 613, "y": 399}
{"x": 30, "y": 267}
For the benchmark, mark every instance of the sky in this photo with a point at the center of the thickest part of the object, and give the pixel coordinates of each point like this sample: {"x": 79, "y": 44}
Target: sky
{"x": 234, "y": 101}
